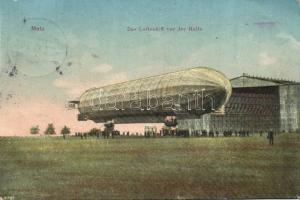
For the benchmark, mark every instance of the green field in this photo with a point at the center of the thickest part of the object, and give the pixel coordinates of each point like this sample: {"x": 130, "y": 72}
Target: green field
{"x": 236, "y": 167}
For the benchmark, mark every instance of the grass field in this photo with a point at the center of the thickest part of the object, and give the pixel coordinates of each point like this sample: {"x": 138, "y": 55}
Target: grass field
{"x": 53, "y": 168}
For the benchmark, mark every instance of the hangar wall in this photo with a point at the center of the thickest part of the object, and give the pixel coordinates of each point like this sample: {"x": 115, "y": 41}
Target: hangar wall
{"x": 289, "y": 108}
{"x": 248, "y": 109}
{"x": 256, "y": 104}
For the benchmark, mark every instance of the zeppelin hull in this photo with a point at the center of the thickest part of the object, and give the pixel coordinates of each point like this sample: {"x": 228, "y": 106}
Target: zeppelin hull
{"x": 186, "y": 94}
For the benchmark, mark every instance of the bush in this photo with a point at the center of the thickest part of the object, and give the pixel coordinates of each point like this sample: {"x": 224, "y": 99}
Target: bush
{"x": 50, "y": 130}
{"x": 35, "y": 130}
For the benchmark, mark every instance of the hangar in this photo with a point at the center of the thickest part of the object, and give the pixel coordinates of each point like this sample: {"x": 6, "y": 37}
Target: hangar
{"x": 256, "y": 104}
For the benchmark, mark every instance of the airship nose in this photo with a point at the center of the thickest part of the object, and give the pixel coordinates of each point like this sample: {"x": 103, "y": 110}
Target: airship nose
{"x": 215, "y": 78}
{"x": 228, "y": 89}
{"x": 211, "y": 78}
{"x": 223, "y": 83}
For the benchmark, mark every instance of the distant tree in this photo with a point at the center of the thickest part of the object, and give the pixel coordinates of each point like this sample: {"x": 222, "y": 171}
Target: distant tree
{"x": 65, "y": 131}
{"x": 50, "y": 130}
{"x": 34, "y": 130}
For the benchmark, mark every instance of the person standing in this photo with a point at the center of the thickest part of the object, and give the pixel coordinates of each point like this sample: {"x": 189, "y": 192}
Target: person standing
{"x": 271, "y": 137}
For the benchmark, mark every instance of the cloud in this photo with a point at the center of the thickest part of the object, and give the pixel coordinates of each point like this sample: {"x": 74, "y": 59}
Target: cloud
{"x": 265, "y": 59}
{"x": 102, "y": 68}
{"x": 76, "y": 83}
{"x": 298, "y": 1}
{"x": 75, "y": 86}
{"x": 267, "y": 24}
{"x": 294, "y": 43}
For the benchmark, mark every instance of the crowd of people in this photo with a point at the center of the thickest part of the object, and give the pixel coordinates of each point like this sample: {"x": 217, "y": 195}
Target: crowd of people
{"x": 175, "y": 132}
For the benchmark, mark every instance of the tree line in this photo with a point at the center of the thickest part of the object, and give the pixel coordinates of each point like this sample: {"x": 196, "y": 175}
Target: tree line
{"x": 50, "y": 130}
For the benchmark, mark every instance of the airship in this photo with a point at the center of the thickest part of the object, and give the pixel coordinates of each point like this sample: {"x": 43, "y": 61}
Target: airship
{"x": 182, "y": 94}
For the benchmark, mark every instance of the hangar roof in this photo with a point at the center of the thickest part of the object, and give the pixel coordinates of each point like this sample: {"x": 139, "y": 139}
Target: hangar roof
{"x": 247, "y": 80}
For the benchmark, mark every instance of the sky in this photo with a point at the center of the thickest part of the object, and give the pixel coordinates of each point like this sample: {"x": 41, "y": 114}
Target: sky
{"x": 53, "y": 50}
